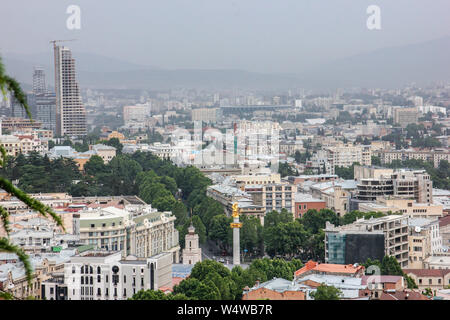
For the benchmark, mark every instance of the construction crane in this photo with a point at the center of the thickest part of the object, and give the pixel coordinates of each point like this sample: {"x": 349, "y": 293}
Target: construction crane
{"x": 55, "y": 41}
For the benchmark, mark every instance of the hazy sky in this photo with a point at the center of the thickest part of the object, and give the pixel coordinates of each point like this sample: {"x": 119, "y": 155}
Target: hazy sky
{"x": 254, "y": 35}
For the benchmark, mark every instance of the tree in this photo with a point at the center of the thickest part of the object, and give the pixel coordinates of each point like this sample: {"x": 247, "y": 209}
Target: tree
{"x": 274, "y": 217}
{"x": 325, "y": 292}
{"x": 427, "y": 292}
{"x": 219, "y": 230}
{"x": 94, "y": 166}
{"x": 285, "y": 239}
{"x": 251, "y": 234}
{"x": 390, "y": 266}
{"x": 113, "y": 142}
{"x": 314, "y": 220}
{"x": 8, "y": 84}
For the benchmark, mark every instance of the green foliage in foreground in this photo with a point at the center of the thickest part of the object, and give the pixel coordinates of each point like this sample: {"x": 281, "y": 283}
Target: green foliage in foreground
{"x": 211, "y": 280}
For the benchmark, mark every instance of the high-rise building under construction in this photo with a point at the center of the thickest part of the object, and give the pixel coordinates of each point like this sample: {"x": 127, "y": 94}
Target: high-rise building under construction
{"x": 70, "y": 112}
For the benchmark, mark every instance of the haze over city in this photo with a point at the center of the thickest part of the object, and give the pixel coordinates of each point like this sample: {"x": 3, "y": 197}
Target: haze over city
{"x": 292, "y": 40}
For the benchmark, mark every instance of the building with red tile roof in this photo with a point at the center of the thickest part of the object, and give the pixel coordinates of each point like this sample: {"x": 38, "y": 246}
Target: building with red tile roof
{"x": 435, "y": 279}
{"x": 403, "y": 295}
{"x": 312, "y": 267}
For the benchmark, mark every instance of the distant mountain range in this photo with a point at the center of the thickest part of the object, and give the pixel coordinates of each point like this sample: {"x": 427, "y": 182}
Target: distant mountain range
{"x": 420, "y": 63}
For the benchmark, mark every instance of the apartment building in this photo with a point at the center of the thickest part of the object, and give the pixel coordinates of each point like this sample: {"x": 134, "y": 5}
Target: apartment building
{"x": 305, "y": 202}
{"x": 393, "y": 227}
{"x": 250, "y": 179}
{"x": 345, "y": 156}
{"x": 435, "y": 156}
{"x": 424, "y": 241}
{"x": 13, "y": 279}
{"x": 404, "y": 116}
{"x": 136, "y": 113}
{"x": 408, "y": 208}
{"x": 273, "y": 196}
{"x": 19, "y": 124}
{"x": 290, "y": 147}
{"x": 336, "y": 194}
{"x": 138, "y": 230}
{"x": 208, "y": 115}
{"x": 102, "y": 275}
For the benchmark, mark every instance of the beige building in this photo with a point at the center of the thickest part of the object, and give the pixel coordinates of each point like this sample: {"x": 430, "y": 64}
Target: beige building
{"x": 192, "y": 253}
{"x": 405, "y": 116}
{"x": 104, "y": 152}
{"x": 434, "y": 156}
{"x": 11, "y": 145}
{"x": 336, "y": 194}
{"x": 435, "y": 279}
{"x": 273, "y": 196}
{"x": 208, "y": 115}
{"x": 345, "y": 156}
{"x": 406, "y": 207}
{"x": 138, "y": 230}
{"x": 137, "y": 113}
{"x": 243, "y": 180}
{"x": 424, "y": 241}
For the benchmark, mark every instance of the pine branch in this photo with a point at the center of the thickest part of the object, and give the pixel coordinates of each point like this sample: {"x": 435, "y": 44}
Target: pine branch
{"x": 4, "y": 215}
{"x": 3, "y": 156}
{"x": 6, "y": 246}
{"x": 30, "y": 202}
{"x": 10, "y": 84}
{"x": 14, "y": 87}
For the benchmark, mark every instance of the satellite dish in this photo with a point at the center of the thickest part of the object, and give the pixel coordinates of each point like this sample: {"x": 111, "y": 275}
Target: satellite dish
{"x": 417, "y": 229}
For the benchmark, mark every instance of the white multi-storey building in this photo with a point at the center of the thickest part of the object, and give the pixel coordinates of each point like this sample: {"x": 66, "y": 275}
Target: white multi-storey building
{"x": 97, "y": 275}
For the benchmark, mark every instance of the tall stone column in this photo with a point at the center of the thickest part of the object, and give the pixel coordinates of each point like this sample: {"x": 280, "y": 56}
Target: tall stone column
{"x": 236, "y": 225}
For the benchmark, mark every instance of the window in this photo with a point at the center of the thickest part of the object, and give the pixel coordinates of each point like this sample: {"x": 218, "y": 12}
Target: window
{"x": 82, "y": 280}
{"x": 124, "y": 279}
{"x": 142, "y": 282}
{"x": 51, "y": 290}
{"x": 73, "y": 269}
{"x": 124, "y": 292}
{"x": 98, "y": 278}
{"x": 92, "y": 225}
{"x": 430, "y": 281}
{"x": 99, "y": 292}
{"x": 106, "y": 279}
{"x": 92, "y": 280}
{"x": 99, "y": 270}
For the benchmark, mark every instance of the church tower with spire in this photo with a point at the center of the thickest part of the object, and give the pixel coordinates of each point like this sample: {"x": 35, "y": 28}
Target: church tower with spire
{"x": 192, "y": 253}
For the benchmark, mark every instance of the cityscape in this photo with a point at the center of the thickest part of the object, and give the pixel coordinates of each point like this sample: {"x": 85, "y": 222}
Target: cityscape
{"x": 148, "y": 183}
